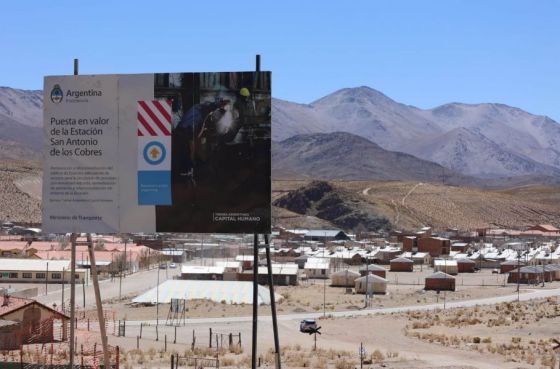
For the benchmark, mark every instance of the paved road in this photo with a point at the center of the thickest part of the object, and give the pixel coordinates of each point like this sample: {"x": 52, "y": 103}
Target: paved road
{"x": 533, "y": 294}
{"x": 132, "y": 284}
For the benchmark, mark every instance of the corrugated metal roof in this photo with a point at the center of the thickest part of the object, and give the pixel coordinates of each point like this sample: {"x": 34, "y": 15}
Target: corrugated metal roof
{"x": 445, "y": 262}
{"x": 317, "y": 263}
{"x": 440, "y": 275}
{"x": 465, "y": 261}
{"x": 12, "y": 264}
{"x": 231, "y": 292}
{"x": 371, "y": 267}
{"x": 281, "y": 269}
{"x": 198, "y": 269}
{"x": 345, "y": 273}
{"x": 373, "y": 278}
{"x": 323, "y": 233}
{"x": 401, "y": 260}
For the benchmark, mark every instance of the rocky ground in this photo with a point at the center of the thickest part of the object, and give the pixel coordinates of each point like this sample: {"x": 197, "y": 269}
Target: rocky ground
{"x": 18, "y": 206}
{"x": 409, "y": 205}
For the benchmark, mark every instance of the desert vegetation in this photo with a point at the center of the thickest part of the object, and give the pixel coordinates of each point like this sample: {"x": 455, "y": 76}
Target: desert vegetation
{"x": 506, "y": 329}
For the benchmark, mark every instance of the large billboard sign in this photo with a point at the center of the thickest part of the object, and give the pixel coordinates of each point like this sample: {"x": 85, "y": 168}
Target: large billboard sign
{"x": 169, "y": 152}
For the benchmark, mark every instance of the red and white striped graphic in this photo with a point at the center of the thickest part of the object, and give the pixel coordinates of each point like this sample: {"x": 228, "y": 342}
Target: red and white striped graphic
{"x": 154, "y": 118}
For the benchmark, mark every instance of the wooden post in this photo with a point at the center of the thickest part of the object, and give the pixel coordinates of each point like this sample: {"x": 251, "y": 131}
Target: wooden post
{"x": 165, "y": 343}
{"x": 73, "y": 238}
{"x": 140, "y": 329}
{"x": 101, "y": 318}
{"x": 193, "y": 340}
{"x": 210, "y": 344}
{"x": 175, "y": 338}
{"x": 157, "y": 333}
{"x": 137, "y": 342}
{"x": 172, "y": 361}
{"x": 117, "y": 356}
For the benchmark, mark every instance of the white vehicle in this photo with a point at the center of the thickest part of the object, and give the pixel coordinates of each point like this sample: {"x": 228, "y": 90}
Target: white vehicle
{"x": 172, "y": 266}
{"x": 308, "y": 326}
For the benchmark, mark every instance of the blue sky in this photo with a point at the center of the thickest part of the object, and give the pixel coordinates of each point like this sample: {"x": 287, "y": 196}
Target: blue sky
{"x": 423, "y": 53}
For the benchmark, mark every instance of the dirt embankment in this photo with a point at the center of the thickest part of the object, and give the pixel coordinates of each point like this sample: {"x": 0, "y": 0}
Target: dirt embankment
{"x": 342, "y": 208}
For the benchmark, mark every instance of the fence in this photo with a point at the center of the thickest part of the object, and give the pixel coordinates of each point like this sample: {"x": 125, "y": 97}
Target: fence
{"x": 44, "y": 344}
{"x": 180, "y": 335}
{"x": 193, "y": 361}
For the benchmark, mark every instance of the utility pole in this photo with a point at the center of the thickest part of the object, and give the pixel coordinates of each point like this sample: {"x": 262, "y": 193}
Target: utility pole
{"x": 63, "y": 276}
{"x": 100, "y": 316}
{"x": 518, "y": 273}
{"x": 157, "y": 293}
{"x": 47, "y": 280}
{"x": 325, "y": 279}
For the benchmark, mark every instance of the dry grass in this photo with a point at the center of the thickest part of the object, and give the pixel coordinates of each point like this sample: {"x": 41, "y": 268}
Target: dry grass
{"x": 509, "y": 316}
{"x": 445, "y": 206}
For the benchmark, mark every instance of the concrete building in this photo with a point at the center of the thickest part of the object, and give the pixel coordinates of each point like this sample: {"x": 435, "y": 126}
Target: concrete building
{"x": 39, "y": 271}
{"x": 325, "y": 235}
{"x": 417, "y": 257}
{"x": 531, "y": 274}
{"x": 439, "y": 281}
{"x": 401, "y": 265}
{"x": 246, "y": 261}
{"x": 371, "y": 284}
{"x": 317, "y": 268}
{"x": 461, "y": 247}
{"x": 301, "y": 260}
{"x": 410, "y": 243}
{"x": 282, "y": 275}
{"x": 344, "y": 278}
{"x": 373, "y": 269}
{"x": 197, "y": 272}
{"x": 435, "y": 246}
{"x": 446, "y": 265}
{"x": 509, "y": 265}
{"x": 465, "y": 265}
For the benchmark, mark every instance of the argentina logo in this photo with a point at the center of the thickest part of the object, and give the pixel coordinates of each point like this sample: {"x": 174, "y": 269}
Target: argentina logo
{"x": 56, "y": 94}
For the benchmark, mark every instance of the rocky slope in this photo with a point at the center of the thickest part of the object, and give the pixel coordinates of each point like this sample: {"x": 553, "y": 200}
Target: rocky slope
{"x": 342, "y": 208}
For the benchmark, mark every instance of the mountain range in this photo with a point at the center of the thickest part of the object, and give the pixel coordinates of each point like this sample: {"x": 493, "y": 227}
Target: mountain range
{"x": 360, "y": 133}
{"x": 482, "y": 140}
{"x": 21, "y": 122}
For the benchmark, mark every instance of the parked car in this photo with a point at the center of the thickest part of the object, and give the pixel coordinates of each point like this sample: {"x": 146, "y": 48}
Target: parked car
{"x": 308, "y": 326}
{"x": 172, "y": 265}
{"x": 495, "y": 271}
{"x": 163, "y": 266}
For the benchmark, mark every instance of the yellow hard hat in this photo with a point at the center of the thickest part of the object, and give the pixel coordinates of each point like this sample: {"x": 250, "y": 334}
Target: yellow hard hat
{"x": 244, "y": 92}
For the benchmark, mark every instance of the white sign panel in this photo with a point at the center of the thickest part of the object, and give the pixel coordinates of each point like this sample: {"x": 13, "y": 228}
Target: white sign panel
{"x": 170, "y": 152}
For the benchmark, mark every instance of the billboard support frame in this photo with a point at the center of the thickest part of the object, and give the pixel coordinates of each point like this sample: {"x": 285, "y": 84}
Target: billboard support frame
{"x": 278, "y": 364}
{"x": 73, "y": 238}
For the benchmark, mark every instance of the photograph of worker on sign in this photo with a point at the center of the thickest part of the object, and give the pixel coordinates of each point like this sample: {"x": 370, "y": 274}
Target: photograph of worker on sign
{"x": 220, "y": 160}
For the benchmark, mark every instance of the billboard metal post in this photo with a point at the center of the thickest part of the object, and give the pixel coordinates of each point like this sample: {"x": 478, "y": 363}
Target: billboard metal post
{"x": 255, "y": 299}
{"x": 272, "y": 304}
{"x": 73, "y": 238}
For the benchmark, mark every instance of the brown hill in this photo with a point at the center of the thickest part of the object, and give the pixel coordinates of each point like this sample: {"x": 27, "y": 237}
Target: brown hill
{"x": 341, "y": 207}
